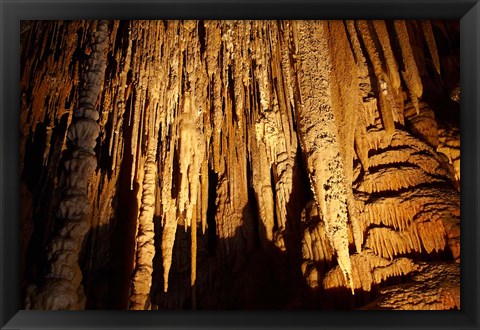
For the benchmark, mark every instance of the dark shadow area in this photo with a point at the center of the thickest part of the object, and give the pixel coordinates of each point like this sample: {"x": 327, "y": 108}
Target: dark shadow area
{"x": 201, "y": 36}
{"x": 122, "y": 245}
{"x": 211, "y": 211}
{"x": 105, "y": 160}
{"x": 40, "y": 181}
{"x": 157, "y": 274}
{"x": 176, "y": 175}
{"x": 264, "y": 280}
{"x": 94, "y": 263}
{"x": 33, "y": 165}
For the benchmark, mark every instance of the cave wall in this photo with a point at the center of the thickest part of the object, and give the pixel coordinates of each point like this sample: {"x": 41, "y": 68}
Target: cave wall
{"x": 240, "y": 164}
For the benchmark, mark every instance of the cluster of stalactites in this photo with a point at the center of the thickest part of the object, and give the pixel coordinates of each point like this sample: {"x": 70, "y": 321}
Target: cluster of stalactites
{"x": 426, "y": 224}
{"x": 210, "y": 124}
{"x": 236, "y": 100}
{"x": 240, "y": 91}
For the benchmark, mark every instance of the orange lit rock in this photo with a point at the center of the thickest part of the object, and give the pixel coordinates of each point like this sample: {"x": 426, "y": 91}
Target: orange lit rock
{"x": 238, "y": 164}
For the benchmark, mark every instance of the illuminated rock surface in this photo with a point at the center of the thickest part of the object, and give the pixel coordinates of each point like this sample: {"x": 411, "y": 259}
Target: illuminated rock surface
{"x": 240, "y": 164}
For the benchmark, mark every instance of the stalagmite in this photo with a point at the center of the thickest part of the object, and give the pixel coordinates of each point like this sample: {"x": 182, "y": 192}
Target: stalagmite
{"x": 145, "y": 243}
{"x": 61, "y": 288}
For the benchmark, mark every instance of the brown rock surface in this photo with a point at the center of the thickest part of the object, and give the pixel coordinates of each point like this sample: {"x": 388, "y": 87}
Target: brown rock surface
{"x": 239, "y": 164}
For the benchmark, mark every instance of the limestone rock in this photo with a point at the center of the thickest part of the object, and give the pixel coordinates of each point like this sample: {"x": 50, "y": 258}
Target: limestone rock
{"x": 239, "y": 164}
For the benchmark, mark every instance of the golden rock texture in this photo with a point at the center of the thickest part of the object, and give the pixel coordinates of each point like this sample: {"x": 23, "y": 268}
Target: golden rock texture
{"x": 240, "y": 164}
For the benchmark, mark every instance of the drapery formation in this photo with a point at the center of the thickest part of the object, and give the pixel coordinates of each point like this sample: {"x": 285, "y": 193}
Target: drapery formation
{"x": 239, "y": 164}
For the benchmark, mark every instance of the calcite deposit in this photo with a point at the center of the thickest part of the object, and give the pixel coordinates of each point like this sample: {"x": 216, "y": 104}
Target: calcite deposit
{"x": 240, "y": 164}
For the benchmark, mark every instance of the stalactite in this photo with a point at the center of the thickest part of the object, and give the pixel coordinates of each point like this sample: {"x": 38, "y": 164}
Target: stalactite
{"x": 345, "y": 104}
{"x": 45, "y": 102}
{"x": 398, "y": 210}
{"x": 410, "y": 71}
{"x": 263, "y": 189}
{"x": 360, "y": 142}
{"x": 285, "y": 146}
{"x": 138, "y": 102}
{"x": 319, "y": 142}
{"x": 204, "y": 195}
{"x": 213, "y": 44}
{"x": 169, "y": 207}
{"x": 62, "y": 287}
{"x": 191, "y": 156}
{"x": 358, "y": 53}
{"x": 384, "y": 39}
{"x": 432, "y": 45}
{"x": 365, "y": 88}
{"x": 265, "y": 134}
{"x": 383, "y": 81}
{"x": 288, "y": 71}
{"x": 388, "y": 243}
{"x": 399, "y": 267}
{"x": 168, "y": 239}
{"x": 122, "y": 97}
{"x": 370, "y": 108}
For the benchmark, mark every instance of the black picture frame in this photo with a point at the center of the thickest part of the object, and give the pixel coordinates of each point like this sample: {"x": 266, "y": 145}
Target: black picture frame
{"x": 13, "y": 11}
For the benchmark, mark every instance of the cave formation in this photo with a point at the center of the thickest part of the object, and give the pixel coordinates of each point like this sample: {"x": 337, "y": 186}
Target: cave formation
{"x": 240, "y": 165}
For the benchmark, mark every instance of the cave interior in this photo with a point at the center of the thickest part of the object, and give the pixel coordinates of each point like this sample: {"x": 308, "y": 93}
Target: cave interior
{"x": 208, "y": 164}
